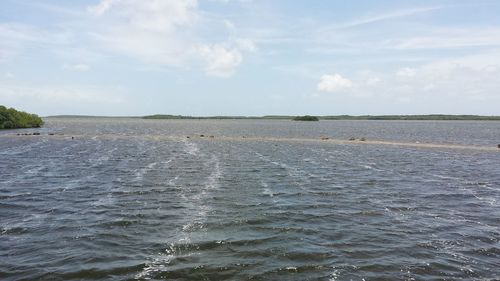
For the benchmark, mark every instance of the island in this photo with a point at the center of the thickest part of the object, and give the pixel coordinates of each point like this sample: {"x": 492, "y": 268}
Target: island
{"x": 306, "y": 118}
{"x": 14, "y": 119}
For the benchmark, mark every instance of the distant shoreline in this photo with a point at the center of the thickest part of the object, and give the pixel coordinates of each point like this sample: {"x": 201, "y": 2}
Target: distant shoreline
{"x": 430, "y": 117}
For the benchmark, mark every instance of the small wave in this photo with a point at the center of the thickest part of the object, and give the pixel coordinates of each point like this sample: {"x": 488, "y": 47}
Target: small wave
{"x": 35, "y": 170}
{"x": 172, "y": 181}
{"x": 293, "y": 172}
{"x": 103, "y": 158}
{"x": 139, "y": 173}
{"x": 486, "y": 199}
{"x": 12, "y": 230}
{"x": 191, "y": 148}
{"x": 445, "y": 177}
{"x": 158, "y": 264}
{"x": 23, "y": 148}
{"x": 104, "y": 201}
{"x": 371, "y": 167}
{"x": 268, "y": 191}
{"x": 92, "y": 273}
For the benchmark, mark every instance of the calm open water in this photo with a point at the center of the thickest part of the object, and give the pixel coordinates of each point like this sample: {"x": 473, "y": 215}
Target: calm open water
{"x": 122, "y": 202}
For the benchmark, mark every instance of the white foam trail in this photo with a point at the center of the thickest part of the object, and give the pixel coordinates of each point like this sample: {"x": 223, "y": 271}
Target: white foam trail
{"x": 172, "y": 181}
{"x": 445, "y": 177}
{"x": 158, "y": 264}
{"x": 103, "y": 158}
{"x": 191, "y": 148}
{"x": 104, "y": 201}
{"x": 35, "y": 170}
{"x": 213, "y": 178}
{"x": 291, "y": 171}
{"x": 369, "y": 166}
{"x": 139, "y": 174}
{"x": 490, "y": 200}
{"x": 195, "y": 200}
{"x": 267, "y": 190}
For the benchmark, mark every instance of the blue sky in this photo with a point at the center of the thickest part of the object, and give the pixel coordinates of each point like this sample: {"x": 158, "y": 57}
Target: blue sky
{"x": 250, "y": 57}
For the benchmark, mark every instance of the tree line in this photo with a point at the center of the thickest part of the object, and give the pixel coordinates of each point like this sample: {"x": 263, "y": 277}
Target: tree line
{"x": 14, "y": 119}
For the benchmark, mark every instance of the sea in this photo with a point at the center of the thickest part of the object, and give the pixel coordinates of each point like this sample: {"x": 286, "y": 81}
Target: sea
{"x": 135, "y": 199}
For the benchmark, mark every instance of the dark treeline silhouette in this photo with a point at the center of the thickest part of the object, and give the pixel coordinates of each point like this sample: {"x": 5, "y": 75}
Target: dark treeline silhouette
{"x": 306, "y": 118}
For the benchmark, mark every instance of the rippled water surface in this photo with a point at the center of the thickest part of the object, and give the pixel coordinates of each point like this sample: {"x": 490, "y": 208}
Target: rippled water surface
{"x": 122, "y": 202}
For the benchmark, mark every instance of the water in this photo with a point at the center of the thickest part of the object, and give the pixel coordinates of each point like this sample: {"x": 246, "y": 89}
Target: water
{"x": 132, "y": 199}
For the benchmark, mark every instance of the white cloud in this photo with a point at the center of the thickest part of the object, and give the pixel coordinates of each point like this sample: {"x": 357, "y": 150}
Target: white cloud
{"x": 167, "y": 33}
{"x": 469, "y": 77}
{"x": 152, "y": 31}
{"x": 156, "y": 15}
{"x": 102, "y": 7}
{"x": 18, "y": 32}
{"x": 449, "y": 38}
{"x": 245, "y": 44}
{"x": 386, "y": 16}
{"x": 373, "y": 81}
{"x": 333, "y": 83}
{"x": 220, "y": 60}
{"x": 17, "y": 39}
{"x": 77, "y": 67}
{"x": 406, "y": 72}
{"x": 442, "y": 83}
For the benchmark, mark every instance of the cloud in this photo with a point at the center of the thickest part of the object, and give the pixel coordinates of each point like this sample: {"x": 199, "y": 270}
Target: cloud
{"x": 406, "y": 72}
{"x": 17, "y": 39}
{"x": 442, "y": 82}
{"x": 245, "y": 44}
{"x": 372, "y": 81}
{"x": 333, "y": 83}
{"x": 405, "y": 34}
{"x": 14, "y": 38}
{"x": 167, "y": 33}
{"x": 220, "y": 61}
{"x": 155, "y": 15}
{"x": 449, "y": 38}
{"x": 381, "y": 17}
{"x": 77, "y": 67}
{"x": 390, "y": 15}
{"x": 152, "y": 31}
{"x": 164, "y": 33}
{"x": 18, "y": 32}
{"x": 102, "y": 7}
{"x": 468, "y": 77}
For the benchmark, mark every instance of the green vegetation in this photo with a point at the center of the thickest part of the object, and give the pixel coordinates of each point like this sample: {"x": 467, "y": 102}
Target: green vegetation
{"x": 306, "y": 118}
{"x": 13, "y": 119}
{"x": 411, "y": 117}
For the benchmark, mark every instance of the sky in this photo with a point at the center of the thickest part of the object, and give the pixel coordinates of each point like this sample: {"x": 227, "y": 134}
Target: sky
{"x": 250, "y": 57}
